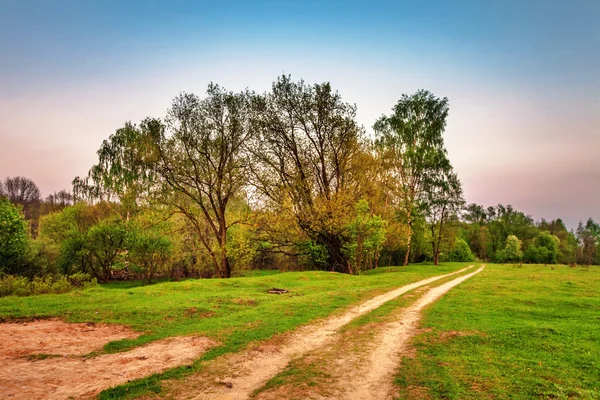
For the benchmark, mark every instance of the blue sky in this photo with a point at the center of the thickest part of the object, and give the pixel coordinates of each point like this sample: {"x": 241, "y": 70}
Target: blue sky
{"x": 521, "y": 76}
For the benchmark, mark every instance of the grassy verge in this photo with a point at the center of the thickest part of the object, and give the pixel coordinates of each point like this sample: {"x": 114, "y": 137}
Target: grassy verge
{"x": 235, "y": 311}
{"x": 518, "y": 333}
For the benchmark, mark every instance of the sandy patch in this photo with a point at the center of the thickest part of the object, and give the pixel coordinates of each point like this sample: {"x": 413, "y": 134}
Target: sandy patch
{"x": 53, "y": 336}
{"x": 69, "y": 374}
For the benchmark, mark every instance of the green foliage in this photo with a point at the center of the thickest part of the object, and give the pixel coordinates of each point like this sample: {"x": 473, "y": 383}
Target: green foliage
{"x": 105, "y": 241}
{"x": 366, "y": 233}
{"x": 511, "y": 252}
{"x": 148, "y": 251}
{"x": 13, "y": 237}
{"x": 544, "y": 249}
{"x": 461, "y": 252}
{"x": 11, "y": 285}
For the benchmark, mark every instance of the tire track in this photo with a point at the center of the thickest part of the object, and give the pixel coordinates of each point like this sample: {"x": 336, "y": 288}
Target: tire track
{"x": 375, "y": 377}
{"x": 240, "y": 374}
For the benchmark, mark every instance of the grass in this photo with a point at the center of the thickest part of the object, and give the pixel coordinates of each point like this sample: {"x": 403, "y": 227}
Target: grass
{"x": 511, "y": 333}
{"x": 235, "y": 312}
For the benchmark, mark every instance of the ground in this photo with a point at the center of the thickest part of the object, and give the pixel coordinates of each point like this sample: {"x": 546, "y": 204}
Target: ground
{"x": 507, "y": 332}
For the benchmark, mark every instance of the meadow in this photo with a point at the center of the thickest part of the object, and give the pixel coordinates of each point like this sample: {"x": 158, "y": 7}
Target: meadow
{"x": 530, "y": 332}
{"x": 511, "y": 332}
{"x": 235, "y": 311}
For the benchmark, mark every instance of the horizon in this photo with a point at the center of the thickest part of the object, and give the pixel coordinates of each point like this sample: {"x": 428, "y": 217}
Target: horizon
{"x": 524, "y": 95}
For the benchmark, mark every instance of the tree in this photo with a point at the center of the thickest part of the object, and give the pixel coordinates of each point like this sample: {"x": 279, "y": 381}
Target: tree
{"x": 511, "y": 252}
{"x": 367, "y": 236}
{"x": 200, "y": 157}
{"x": 589, "y": 239}
{"x": 13, "y": 237}
{"x": 57, "y": 201}
{"x": 544, "y": 249}
{"x": 444, "y": 202}
{"x": 148, "y": 251}
{"x": 124, "y": 171}
{"x": 24, "y": 192}
{"x": 411, "y": 142}
{"x": 105, "y": 241}
{"x": 309, "y": 162}
{"x": 460, "y": 252}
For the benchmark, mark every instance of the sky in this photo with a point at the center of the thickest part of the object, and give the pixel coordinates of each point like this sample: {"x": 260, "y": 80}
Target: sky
{"x": 522, "y": 79}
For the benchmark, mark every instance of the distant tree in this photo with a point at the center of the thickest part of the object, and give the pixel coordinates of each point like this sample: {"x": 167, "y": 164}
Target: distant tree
{"x": 589, "y": 240}
{"x": 57, "y": 201}
{"x": 413, "y": 150}
{"x": 511, "y": 252}
{"x": 460, "y": 252}
{"x": 105, "y": 241}
{"x": 24, "y": 192}
{"x": 544, "y": 249}
{"x": 444, "y": 201}
{"x": 13, "y": 237}
{"x": 148, "y": 251}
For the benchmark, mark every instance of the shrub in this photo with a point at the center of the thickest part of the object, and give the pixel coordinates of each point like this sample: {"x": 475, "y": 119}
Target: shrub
{"x": 21, "y": 286}
{"x": 461, "y": 252}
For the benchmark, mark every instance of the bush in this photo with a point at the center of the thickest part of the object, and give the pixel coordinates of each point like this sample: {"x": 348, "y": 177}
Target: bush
{"x": 14, "y": 286}
{"x": 81, "y": 280}
{"x": 21, "y": 286}
{"x": 461, "y": 252}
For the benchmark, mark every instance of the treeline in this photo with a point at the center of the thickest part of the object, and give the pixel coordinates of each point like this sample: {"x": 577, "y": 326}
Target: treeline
{"x": 283, "y": 179}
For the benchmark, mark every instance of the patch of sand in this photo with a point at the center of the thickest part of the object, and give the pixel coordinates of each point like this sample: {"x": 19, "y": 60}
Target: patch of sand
{"x": 53, "y": 336}
{"x": 70, "y": 375}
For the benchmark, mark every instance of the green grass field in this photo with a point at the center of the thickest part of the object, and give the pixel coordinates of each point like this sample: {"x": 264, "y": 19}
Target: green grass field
{"x": 530, "y": 332}
{"x": 511, "y": 333}
{"x": 236, "y": 311}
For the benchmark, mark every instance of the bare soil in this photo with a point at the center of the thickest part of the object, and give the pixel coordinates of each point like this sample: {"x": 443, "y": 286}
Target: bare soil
{"x": 376, "y": 376}
{"x": 53, "y": 336}
{"x": 66, "y": 373}
{"x": 237, "y": 376}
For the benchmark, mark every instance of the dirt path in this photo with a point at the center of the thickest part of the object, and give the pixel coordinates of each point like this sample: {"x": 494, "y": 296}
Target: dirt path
{"x": 361, "y": 363}
{"x": 44, "y": 359}
{"x": 377, "y": 374}
{"x": 240, "y": 374}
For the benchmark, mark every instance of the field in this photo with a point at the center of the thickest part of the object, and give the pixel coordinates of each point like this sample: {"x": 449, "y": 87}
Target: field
{"x": 505, "y": 332}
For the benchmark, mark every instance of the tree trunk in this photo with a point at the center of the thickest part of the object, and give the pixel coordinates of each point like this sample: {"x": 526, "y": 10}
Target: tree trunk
{"x": 409, "y": 242}
{"x": 336, "y": 259}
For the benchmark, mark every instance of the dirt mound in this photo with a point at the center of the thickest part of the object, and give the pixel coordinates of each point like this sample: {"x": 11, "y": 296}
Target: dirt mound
{"x": 70, "y": 375}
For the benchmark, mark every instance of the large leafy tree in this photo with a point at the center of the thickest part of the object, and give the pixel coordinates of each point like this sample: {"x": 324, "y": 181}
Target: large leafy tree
{"x": 13, "y": 236}
{"x": 309, "y": 162}
{"x": 201, "y": 160}
{"x": 410, "y": 140}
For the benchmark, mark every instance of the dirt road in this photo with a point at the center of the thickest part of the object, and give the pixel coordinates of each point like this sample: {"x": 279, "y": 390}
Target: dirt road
{"x": 237, "y": 376}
